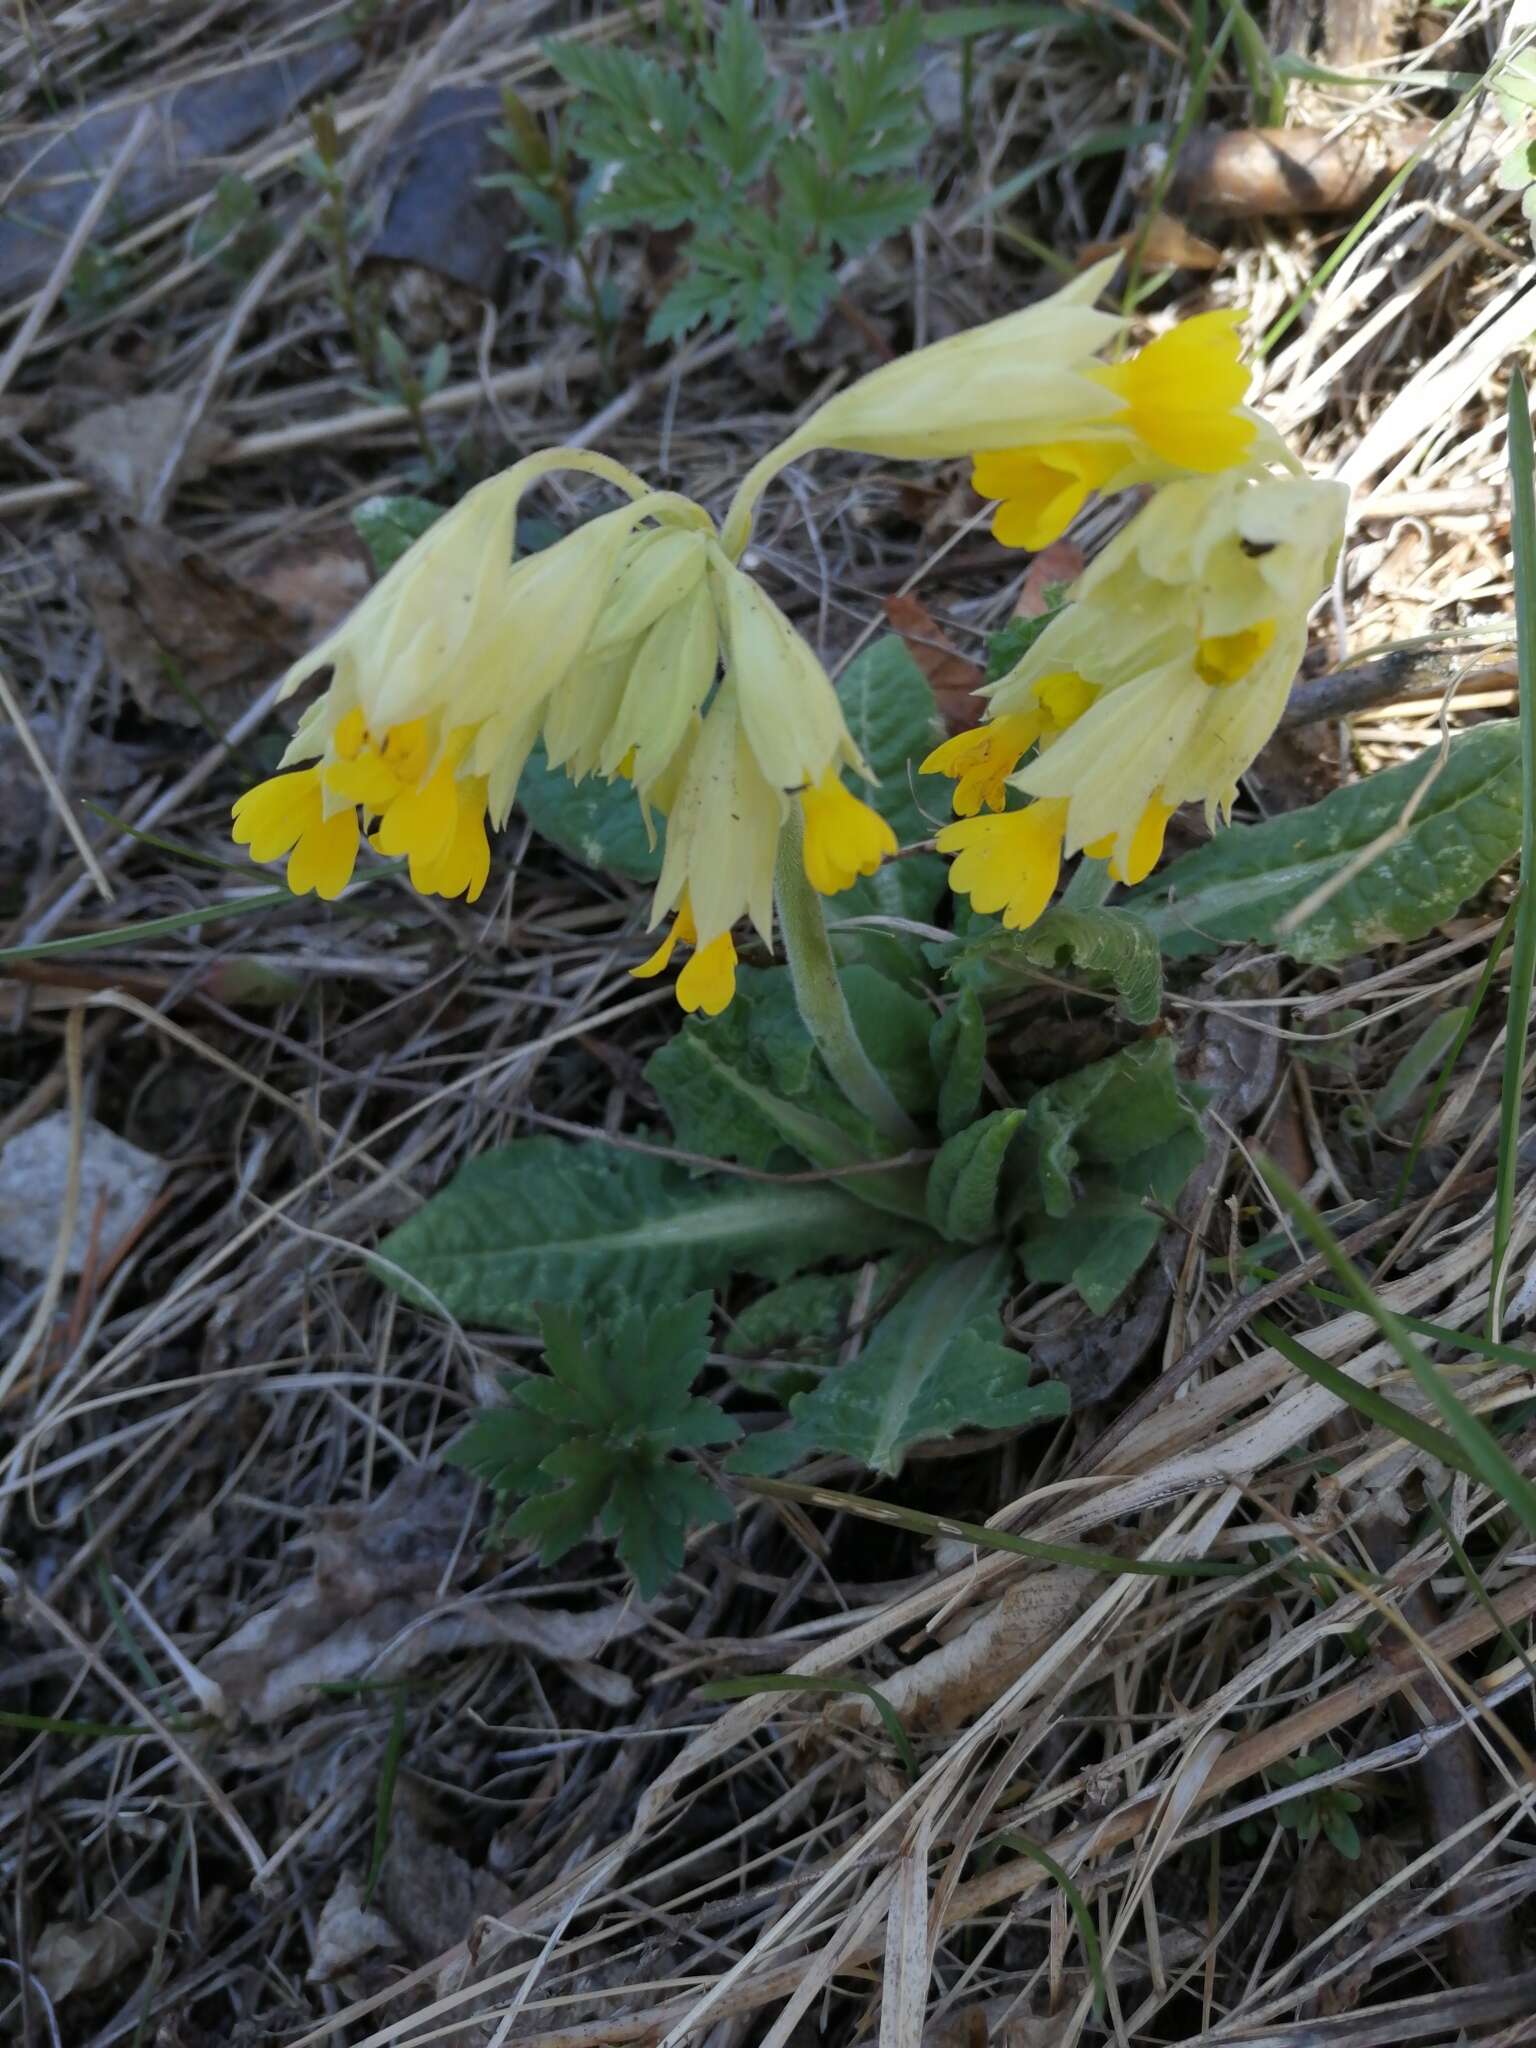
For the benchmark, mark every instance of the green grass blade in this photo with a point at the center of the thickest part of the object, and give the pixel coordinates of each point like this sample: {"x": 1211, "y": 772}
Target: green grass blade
{"x": 1480, "y": 1593}
{"x": 1442, "y": 1333}
{"x": 93, "y": 1731}
{"x": 792, "y": 1681}
{"x": 987, "y": 1539}
{"x": 1088, "y": 1933}
{"x": 1493, "y": 1467}
{"x": 1522, "y": 500}
{"x": 389, "y": 1771}
{"x": 1371, "y": 213}
{"x": 1454, "y": 1051}
{"x": 1194, "y": 106}
{"x": 154, "y": 928}
{"x": 1366, "y": 1401}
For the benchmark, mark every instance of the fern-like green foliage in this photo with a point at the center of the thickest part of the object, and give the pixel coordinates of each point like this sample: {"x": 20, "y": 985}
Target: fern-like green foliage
{"x": 774, "y": 197}
{"x": 595, "y": 1442}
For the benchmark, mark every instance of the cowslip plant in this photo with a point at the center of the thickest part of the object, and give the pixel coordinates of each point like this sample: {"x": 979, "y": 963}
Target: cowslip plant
{"x": 642, "y": 666}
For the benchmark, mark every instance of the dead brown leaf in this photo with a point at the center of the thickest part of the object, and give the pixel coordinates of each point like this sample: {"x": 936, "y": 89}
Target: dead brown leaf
{"x": 346, "y": 1932}
{"x": 380, "y": 1603}
{"x": 952, "y": 676}
{"x": 175, "y": 623}
{"x": 431, "y": 1893}
{"x": 123, "y": 447}
{"x": 949, "y": 1685}
{"x": 1061, "y": 562}
{"x": 74, "y": 1955}
{"x": 1166, "y": 245}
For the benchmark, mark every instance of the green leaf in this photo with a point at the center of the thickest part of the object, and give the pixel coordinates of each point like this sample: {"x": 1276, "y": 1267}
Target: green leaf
{"x": 1110, "y": 948}
{"x": 749, "y": 1085}
{"x": 1245, "y": 882}
{"x": 1007, "y": 648}
{"x": 737, "y": 88}
{"x": 598, "y": 1434}
{"x": 895, "y": 724}
{"x": 541, "y": 1220}
{"x": 809, "y": 1313}
{"x": 596, "y": 822}
{"x": 935, "y": 1365}
{"x": 957, "y": 1046}
{"x": 891, "y": 714}
{"x": 1342, "y": 1832}
{"x": 964, "y": 1181}
{"x": 1094, "y": 1147}
{"x": 388, "y": 526}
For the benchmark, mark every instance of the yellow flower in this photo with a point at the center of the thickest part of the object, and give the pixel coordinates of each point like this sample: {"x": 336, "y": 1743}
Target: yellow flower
{"x": 1181, "y": 409}
{"x": 708, "y": 979}
{"x": 722, "y": 829}
{"x": 1011, "y": 863}
{"x": 790, "y": 716}
{"x": 286, "y": 815}
{"x": 1190, "y": 626}
{"x": 981, "y": 760}
{"x": 844, "y": 838}
{"x": 443, "y": 675}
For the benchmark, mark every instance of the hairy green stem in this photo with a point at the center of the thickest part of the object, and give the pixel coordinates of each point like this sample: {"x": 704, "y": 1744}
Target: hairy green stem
{"x": 736, "y": 529}
{"x": 819, "y": 993}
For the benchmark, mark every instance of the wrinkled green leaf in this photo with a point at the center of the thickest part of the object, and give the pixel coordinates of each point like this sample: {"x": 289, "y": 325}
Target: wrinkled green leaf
{"x": 934, "y": 1366}
{"x": 808, "y": 1314}
{"x": 595, "y": 822}
{"x": 541, "y": 1220}
{"x": 957, "y": 1045}
{"x": 964, "y": 1182}
{"x": 1112, "y": 949}
{"x": 1093, "y": 1148}
{"x": 1242, "y": 885}
{"x": 749, "y": 1085}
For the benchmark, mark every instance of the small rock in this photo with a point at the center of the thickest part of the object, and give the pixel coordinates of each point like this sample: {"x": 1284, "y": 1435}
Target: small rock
{"x": 117, "y": 1184}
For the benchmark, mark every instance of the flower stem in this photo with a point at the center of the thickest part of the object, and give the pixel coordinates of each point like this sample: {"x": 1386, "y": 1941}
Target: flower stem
{"x": 819, "y": 994}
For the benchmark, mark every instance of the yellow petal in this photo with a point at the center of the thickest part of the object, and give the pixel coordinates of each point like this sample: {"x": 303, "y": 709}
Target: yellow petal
{"x": 1182, "y": 393}
{"x": 708, "y": 980}
{"x": 462, "y": 867}
{"x": 981, "y": 760}
{"x": 1225, "y": 658}
{"x": 421, "y": 823}
{"x": 325, "y": 856}
{"x": 1146, "y": 847}
{"x": 1064, "y": 697}
{"x": 368, "y": 779}
{"x": 272, "y": 817}
{"x": 1043, "y": 489}
{"x": 1011, "y": 863}
{"x": 350, "y": 734}
{"x": 844, "y": 838}
{"x": 681, "y": 934}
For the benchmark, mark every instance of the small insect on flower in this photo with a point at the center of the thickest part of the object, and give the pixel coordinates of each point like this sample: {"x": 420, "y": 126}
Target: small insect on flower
{"x": 1155, "y": 687}
{"x": 441, "y": 680}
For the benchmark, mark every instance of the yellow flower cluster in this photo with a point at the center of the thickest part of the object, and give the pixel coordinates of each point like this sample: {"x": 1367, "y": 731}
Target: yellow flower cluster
{"x": 638, "y": 648}
{"x": 1155, "y": 687}
{"x": 635, "y": 648}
